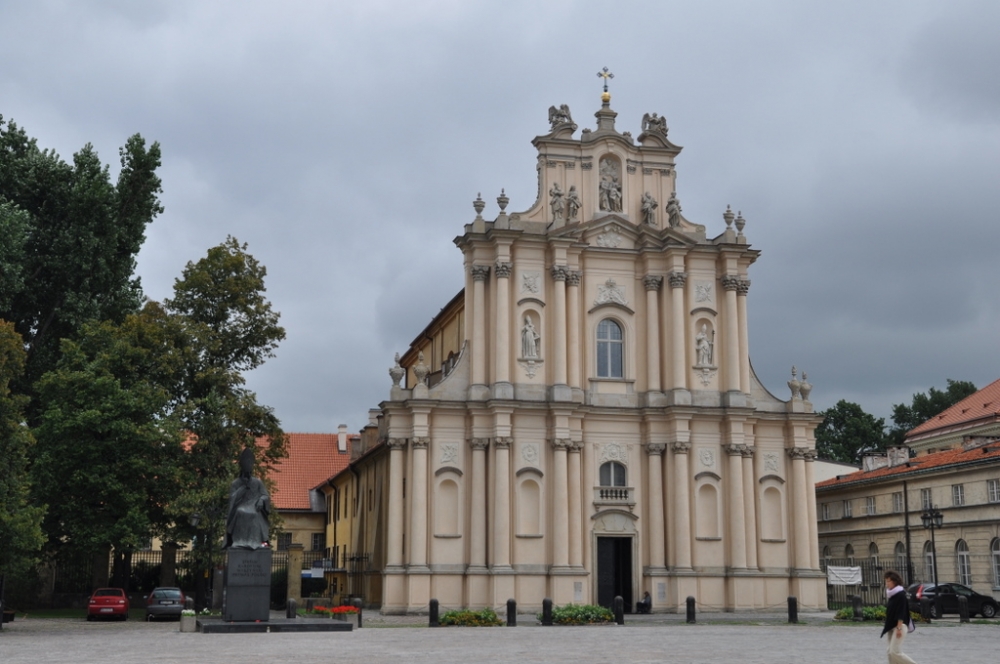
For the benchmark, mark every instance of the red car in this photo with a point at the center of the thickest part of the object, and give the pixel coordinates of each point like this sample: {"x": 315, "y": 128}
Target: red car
{"x": 109, "y": 602}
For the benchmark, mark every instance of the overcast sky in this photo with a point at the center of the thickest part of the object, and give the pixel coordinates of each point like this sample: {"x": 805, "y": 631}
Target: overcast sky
{"x": 345, "y": 143}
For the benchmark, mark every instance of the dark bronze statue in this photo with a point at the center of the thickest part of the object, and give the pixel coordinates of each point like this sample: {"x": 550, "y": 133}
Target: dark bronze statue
{"x": 249, "y": 504}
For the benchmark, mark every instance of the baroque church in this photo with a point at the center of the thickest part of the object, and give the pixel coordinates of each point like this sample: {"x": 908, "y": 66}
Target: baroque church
{"x": 582, "y": 421}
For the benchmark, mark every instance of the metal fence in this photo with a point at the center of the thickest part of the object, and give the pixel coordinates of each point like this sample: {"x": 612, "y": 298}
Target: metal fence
{"x": 871, "y": 590}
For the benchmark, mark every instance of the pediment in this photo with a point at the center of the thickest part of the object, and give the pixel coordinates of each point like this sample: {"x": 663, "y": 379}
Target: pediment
{"x": 610, "y": 231}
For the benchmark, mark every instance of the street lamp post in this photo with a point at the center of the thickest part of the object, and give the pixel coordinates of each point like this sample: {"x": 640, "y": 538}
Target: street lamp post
{"x": 932, "y": 520}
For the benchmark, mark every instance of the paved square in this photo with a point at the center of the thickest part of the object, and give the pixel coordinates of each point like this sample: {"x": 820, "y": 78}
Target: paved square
{"x": 658, "y": 640}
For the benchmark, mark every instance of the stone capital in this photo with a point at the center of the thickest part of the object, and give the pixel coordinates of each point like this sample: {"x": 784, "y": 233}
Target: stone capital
{"x": 655, "y": 449}
{"x": 730, "y": 282}
{"x": 748, "y": 451}
{"x": 479, "y": 443}
{"x": 733, "y": 449}
{"x": 797, "y": 453}
{"x": 396, "y": 443}
{"x": 559, "y": 272}
{"x": 480, "y": 272}
{"x": 743, "y": 287}
{"x": 503, "y": 442}
{"x": 576, "y": 446}
{"x": 561, "y": 443}
{"x": 652, "y": 282}
{"x": 503, "y": 269}
{"x": 677, "y": 279}
{"x": 573, "y": 278}
{"x": 420, "y": 442}
{"x": 680, "y": 448}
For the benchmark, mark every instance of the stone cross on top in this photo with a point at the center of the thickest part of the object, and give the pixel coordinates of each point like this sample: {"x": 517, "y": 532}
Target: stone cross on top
{"x": 605, "y": 74}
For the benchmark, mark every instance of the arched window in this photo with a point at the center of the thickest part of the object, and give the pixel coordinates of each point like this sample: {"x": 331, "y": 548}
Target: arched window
{"x": 901, "y": 563}
{"x": 929, "y": 563}
{"x": 995, "y": 551}
{"x": 610, "y": 350}
{"x": 873, "y": 572}
{"x": 826, "y": 556}
{"x": 963, "y": 563}
{"x": 849, "y": 553}
{"x": 612, "y": 474}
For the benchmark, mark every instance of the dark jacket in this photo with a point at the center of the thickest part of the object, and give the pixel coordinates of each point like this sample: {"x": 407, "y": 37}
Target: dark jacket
{"x": 896, "y": 609}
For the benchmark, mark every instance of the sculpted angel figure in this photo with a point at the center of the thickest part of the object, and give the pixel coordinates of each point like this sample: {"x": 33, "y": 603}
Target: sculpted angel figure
{"x": 558, "y": 116}
{"x": 651, "y": 122}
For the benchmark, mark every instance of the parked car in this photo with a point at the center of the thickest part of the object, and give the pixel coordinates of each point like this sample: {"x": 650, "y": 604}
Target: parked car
{"x": 164, "y": 603}
{"x": 108, "y": 603}
{"x": 984, "y": 605}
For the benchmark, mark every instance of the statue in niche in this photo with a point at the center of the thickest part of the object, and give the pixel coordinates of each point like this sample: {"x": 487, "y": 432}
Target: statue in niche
{"x": 654, "y": 124}
{"x": 247, "y": 526}
{"x": 557, "y": 202}
{"x": 529, "y": 340}
{"x": 649, "y": 206}
{"x": 572, "y": 203}
{"x": 704, "y": 346}
{"x": 560, "y": 116}
{"x": 674, "y": 210}
{"x": 610, "y": 189}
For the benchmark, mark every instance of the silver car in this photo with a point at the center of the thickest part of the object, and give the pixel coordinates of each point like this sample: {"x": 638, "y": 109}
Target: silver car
{"x": 164, "y": 603}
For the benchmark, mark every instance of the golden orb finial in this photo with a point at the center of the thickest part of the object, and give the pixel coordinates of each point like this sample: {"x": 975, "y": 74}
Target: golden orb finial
{"x": 605, "y": 74}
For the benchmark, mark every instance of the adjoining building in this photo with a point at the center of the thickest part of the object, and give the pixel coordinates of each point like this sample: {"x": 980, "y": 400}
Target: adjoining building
{"x": 582, "y": 420}
{"x": 873, "y": 518}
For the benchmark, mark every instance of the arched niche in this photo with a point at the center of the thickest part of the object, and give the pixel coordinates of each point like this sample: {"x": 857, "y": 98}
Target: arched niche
{"x": 447, "y": 506}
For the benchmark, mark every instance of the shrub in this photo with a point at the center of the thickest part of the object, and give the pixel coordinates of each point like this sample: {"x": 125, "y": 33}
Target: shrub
{"x": 875, "y": 613}
{"x": 580, "y": 614}
{"x": 466, "y": 618}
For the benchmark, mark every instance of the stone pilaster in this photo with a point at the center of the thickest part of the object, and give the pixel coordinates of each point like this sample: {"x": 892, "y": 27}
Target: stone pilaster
{"x": 741, "y": 308}
{"x": 502, "y": 327}
{"x": 397, "y": 508}
{"x": 810, "y": 458}
{"x": 480, "y": 273}
{"x": 679, "y": 355}
{"x": 749, "y": 506}
{"x": 501, "y": 513}
{"x": 560, "y": 504}
{"x": 575, "y": 451}
{"x": 573, "y": 350}
{"x": 559, "y": 276}
{"x": 737, "y": 522}
{"x": 800, "y": 507}
{"x": 730, "y": 284}
{"x": 653, "y": 283}
{"x": 418, "y": 501}
{"x": 657, "y": 527}
{"x": 682, "y": 506}
{"x": 477, "y": 534}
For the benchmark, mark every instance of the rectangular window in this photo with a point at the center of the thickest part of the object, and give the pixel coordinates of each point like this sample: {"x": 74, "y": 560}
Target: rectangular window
{"x": 957, "y": 495}
{"x": 317, "y": 541}
{"x": 826, "y": 511}
{"x": 964, "y": 568}
{"x": 897, "y": 502}
{"x": 870, "y": 505}
{"x": 925, "y": 499}
{"x": 993, "y": 490}
{"x": 284, "y": 541}
{"x": 847, "y": 509}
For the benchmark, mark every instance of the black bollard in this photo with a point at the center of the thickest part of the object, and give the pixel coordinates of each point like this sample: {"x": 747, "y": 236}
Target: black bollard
{"x": 963, "y": 609}
{"x": 859, "y": 613}
{"x": 690, "y": 610}
{"x": 939, "y": 606}
{"x": 511, "y": 613}
{"x": 357, "y": 605}
{"x": 291, "y": 609}
{"x": 619, "y": 610}
{"x": 793, "y": 610}
{"x": 925, "y": 608}
{"x": 547, "y": 612}
{"x": 434, "y": 614}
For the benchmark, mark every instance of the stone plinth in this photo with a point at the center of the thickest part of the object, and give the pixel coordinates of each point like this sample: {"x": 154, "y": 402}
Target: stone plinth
{"x": 248, "y": 585}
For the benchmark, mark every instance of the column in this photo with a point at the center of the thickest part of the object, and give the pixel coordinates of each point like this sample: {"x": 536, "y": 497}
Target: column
{"x": 502, "y": 328}
{"x": 729, "y": 284}
{"x": 418, "y": 504}
{"x": 653, "y": 284}
{"x": 477, "y": 534}
{"x": 682, "y": 507}
{"x": 657, "y": 551}
{"x": 575, "y": 358}
{"x": 750, "y": 506}
{"x": 560, "y": 511}
{"x": 813, "y": 524}
{"x": 501, "y": 513}
{"x": 293, "y": 588}
{"x": 741, "y": 307}
{"x": 397, "y": 459}
{"x": 480, "y": 273}
{"x": 677, "y": 281}
{"x": 575, "y": 506}
{"x": 737, "y": 523}
{"x": 801, "y": 507}
{"x": 559, "y": 275}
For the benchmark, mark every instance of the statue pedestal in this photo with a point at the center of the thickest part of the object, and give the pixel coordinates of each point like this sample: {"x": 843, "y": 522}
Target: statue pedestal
{"x": 248, "y": 585}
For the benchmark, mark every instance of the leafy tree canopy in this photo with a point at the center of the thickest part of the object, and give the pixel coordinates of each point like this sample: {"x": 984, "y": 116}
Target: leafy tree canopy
{"x": 847, "y": 432}
{"x": 925, "y": 406}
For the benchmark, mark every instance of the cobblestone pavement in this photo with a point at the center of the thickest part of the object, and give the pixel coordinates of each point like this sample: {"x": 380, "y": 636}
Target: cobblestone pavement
{"x": 646, "y": 639}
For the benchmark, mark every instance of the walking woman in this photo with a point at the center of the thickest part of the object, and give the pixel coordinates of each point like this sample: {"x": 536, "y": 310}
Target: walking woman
{"x": 897, "y": 618}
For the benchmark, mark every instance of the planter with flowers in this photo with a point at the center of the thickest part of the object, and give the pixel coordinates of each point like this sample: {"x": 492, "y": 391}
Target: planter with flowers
{"x": 336, "y": 612}
{"x": 189, "y": 622}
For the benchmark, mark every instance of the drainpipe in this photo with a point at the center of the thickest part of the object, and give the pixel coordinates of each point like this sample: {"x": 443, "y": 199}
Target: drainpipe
{"x": 906, "y": 527}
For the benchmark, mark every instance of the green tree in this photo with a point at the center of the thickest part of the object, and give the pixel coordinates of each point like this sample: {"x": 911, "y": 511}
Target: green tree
{"x": 71, "y": 256}
{"x": 847, "y": 432}
{"x": 109, "y": 445}
{"x": 20, "y": 522}
{"x": 925, "y": 406}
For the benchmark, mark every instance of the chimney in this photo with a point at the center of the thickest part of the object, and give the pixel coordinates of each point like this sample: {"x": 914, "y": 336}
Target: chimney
{"x": 373, "y": 414}
{"x": 342, "y": 439}
{"x": 871, "y": 462}
{"x": 898, "y": 455}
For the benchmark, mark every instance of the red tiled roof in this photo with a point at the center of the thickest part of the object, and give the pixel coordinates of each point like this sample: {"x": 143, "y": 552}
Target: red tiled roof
{"x": 312, "y": 458}
{"x": 935, "y": 461}
{"x": 982, "y": 405}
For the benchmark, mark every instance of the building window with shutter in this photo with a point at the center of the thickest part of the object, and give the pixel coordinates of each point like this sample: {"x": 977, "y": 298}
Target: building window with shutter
{"x": 993, "y": 490}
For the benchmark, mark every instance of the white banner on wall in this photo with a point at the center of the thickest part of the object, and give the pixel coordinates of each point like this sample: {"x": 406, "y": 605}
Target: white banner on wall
{"x": 843, "y": 576}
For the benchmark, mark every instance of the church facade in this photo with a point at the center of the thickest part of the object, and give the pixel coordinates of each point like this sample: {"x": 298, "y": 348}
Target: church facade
{"x": 583, "y": 421}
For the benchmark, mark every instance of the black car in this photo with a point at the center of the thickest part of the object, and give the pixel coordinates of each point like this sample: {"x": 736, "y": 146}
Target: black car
{"x": 984, "y": 605}
{"x": 165, "y": 603}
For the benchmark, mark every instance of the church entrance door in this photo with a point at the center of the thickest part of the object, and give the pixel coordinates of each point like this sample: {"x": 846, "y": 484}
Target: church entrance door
{"x": 614, "y": 571}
